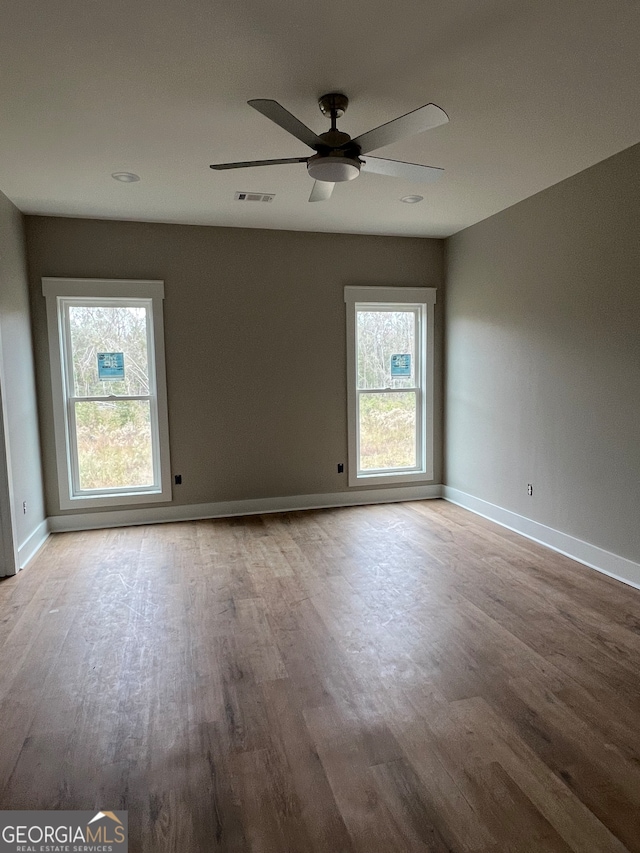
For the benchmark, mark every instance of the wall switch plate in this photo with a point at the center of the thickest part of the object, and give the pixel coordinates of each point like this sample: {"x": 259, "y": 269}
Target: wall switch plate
{"x": 529, "y": 489}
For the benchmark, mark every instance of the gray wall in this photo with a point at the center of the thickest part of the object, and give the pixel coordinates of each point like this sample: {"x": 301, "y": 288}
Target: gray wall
{"x": 8, "y": 552}
{"x": 543, "y": 357}
{"x": 255, "y": 342}
{"x": 19, "y": 408}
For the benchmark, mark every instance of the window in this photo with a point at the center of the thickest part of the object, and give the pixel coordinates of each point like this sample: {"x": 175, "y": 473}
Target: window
{"x": 106, "y": 346}
{"x": 390, "y": 383}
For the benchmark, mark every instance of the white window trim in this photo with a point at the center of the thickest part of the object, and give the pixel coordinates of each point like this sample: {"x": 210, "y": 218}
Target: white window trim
{"x": 57, "y": 289}
{"x": 425, "y": 297}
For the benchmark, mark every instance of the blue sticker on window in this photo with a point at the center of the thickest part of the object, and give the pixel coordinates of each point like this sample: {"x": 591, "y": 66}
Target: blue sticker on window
{"x": 401, "y": 364}
{"x": 111, "y": 365}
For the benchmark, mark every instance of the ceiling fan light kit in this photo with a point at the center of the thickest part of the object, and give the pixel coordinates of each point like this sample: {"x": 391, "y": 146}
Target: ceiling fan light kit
{"x": 339, "y": 158}
{"x": 333, "y": 168}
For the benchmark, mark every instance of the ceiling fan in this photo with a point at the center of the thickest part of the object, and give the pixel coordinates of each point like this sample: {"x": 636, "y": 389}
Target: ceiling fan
{"x": 339, "y": 158}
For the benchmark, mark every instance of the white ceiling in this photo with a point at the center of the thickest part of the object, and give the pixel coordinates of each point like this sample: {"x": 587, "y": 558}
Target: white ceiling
{"x": 536, "y": 91}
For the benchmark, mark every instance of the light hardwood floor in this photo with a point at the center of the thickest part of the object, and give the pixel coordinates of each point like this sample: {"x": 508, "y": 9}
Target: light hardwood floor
{"x": 386, "y": 679}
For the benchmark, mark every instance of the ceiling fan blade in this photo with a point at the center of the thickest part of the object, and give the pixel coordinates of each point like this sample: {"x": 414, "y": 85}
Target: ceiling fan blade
{"x": 277, "y": 113}
{"x": 221, "y": 166}
{"x": 421, "y": 119}
{"x": 397, "y": 169}
{"x": 321, "y": 191}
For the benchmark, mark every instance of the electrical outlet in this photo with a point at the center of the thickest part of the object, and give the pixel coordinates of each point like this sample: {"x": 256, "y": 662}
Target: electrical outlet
{"x": 529, "y": 489}
{"x": 340, "y": 467}
{"x": 178, "y": 479}
{"x": 24, "y": 507}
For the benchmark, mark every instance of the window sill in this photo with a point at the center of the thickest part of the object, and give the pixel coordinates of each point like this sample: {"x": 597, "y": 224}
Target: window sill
{"x": 390, "y": 479}
{"x": 114, "y": 500}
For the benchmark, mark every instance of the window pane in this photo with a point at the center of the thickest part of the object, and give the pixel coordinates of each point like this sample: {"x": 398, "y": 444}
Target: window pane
{"x": 110, "y": 331}
{"x": 386, "y": 338}
{"x": 114, "y": 444}
{"x": 387, "y": 431}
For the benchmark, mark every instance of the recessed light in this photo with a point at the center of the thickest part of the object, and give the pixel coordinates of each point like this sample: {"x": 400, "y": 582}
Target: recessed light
{"x": 125, "y": 177}
{"x": 411, "y": 199}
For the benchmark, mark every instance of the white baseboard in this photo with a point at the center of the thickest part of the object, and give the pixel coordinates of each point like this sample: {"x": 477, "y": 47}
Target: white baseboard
{"x": 195, "y": 512}
{"x": 583, "y": 552}
{"x": 590, "y": 555}
{"x": 33, "y": 543}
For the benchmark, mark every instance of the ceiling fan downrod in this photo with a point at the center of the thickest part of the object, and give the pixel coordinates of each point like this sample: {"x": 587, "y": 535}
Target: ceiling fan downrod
{"x": 334, "y": 106}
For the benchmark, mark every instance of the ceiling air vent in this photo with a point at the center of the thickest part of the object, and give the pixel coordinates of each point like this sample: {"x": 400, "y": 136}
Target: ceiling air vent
{"x": 255, "y": 196}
